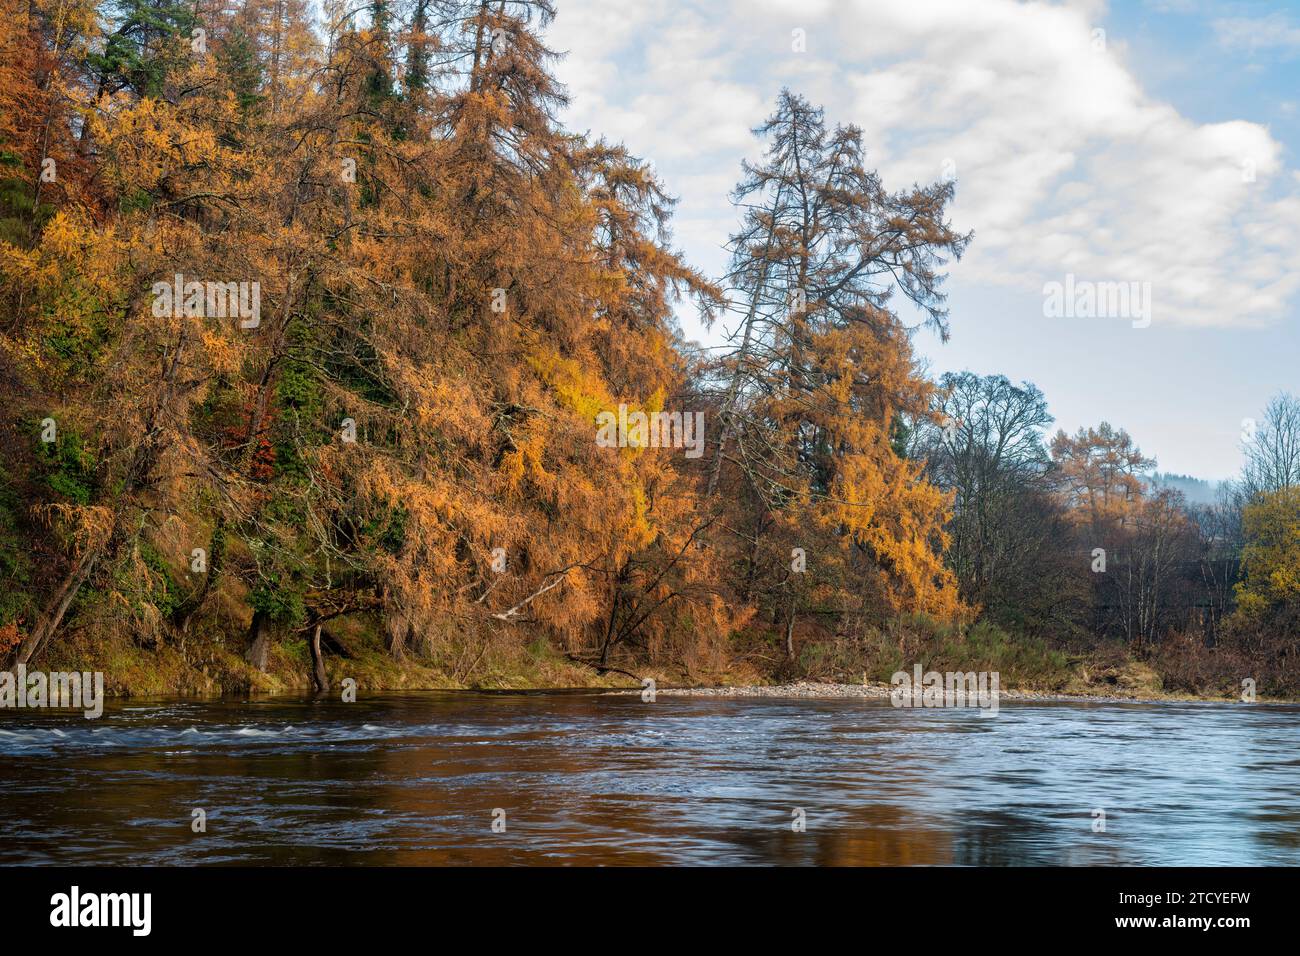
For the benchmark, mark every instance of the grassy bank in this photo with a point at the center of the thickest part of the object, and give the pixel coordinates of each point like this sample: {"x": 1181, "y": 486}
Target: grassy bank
{"x": 212, "y": 664}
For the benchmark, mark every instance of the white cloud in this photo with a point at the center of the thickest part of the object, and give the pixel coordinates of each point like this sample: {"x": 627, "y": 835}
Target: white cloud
{"x": 1064, "y": 163}
{"x": 1274, "y": 32}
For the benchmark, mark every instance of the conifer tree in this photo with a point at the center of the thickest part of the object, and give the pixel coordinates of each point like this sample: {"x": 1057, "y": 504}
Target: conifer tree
{"x": 821, "y": 367}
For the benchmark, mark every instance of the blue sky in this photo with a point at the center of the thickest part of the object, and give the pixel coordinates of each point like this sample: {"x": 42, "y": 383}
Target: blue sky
{"x": 1139, "y": 142}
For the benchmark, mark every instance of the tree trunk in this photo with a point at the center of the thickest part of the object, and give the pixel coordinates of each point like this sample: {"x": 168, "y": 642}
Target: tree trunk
{"x": 742, "y": 356}
{"x": 789, "y": 630}
{"x": 57, "y": 607}
{"x": 259, "y": 641}
{"x": 319, "y": 678}
{"x": 142, "y": 461}
{"x": 186, "y": 612}
{"x": 397, "y": 632}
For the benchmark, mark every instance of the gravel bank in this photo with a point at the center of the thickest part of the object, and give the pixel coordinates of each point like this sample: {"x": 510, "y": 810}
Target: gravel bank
{"x": 810, "y": 689}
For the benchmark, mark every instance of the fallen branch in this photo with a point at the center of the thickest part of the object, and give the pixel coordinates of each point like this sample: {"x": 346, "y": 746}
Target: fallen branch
{"x": 479, "y": 599}
{"x": 509, "y": 615}
{"x": 604, "y": 668}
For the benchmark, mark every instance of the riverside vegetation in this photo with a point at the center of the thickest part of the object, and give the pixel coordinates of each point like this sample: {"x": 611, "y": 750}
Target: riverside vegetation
{"x": 391, "y": 471}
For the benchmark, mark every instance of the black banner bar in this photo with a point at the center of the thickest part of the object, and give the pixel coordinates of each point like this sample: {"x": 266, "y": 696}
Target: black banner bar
{"x": 334, "y": 905}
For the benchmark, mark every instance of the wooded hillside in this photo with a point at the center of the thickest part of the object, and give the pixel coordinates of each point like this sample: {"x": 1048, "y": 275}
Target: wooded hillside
{"x": 321, "y": 334}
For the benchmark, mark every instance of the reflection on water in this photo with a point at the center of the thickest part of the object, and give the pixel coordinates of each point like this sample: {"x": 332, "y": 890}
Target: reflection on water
{"x": 590, "y": 779}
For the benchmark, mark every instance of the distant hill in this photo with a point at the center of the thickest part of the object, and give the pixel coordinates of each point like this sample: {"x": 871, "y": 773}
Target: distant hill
{"x": 1195, "y": 490}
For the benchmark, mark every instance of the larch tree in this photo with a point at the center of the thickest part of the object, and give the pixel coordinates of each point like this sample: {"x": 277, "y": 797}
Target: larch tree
{"x": 821, "y": 366}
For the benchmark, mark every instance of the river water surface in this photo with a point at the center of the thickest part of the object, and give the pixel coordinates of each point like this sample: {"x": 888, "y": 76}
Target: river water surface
{"x": 584, "y": 778}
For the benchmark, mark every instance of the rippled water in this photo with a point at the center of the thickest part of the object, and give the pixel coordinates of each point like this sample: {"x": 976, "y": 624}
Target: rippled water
{"x": 584, "y": 778}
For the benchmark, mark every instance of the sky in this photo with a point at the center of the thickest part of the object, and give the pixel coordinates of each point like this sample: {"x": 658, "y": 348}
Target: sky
{"x": 1154, "y": 143}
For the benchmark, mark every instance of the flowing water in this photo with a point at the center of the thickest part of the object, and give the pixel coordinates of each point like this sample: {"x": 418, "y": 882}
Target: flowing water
{"x": 585, "y": 778}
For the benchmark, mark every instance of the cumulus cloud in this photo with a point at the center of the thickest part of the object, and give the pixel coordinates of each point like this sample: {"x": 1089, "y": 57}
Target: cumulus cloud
{"x": 1064, "y": 163}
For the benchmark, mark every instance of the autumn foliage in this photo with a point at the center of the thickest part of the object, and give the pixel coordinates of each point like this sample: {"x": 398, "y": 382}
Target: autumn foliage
{"x": 452, "y": 289}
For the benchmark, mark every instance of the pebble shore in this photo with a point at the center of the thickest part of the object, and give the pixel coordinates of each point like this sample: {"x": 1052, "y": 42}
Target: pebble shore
{"x": 822, "y": 691}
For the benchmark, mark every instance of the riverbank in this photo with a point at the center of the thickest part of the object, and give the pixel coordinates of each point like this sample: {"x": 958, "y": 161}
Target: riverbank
{"x": 153, "y": 675}
{"x": 212, "y": 664}
{"x": 819, "y": 690}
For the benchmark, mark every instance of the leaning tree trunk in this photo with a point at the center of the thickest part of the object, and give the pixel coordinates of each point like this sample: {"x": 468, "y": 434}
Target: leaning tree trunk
{"x": 137, "y": 473}
{"x": 58, "y": 606}
{"x": 319, "y": 678}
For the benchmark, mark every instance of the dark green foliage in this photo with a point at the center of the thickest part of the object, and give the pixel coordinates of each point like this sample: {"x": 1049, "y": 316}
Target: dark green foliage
{"x": 68, "y": 468}
{"x": 144, "y": 46}
{"x": 18, "y": 209}
{"x": 280, "y": 601}
{"x": 16, "y": 568}
{"x": 238, "y": 59}
{"x": 165, "y": 595}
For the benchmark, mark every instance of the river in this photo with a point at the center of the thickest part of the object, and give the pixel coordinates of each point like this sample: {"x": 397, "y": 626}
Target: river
{"x": 585, "y": 778}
